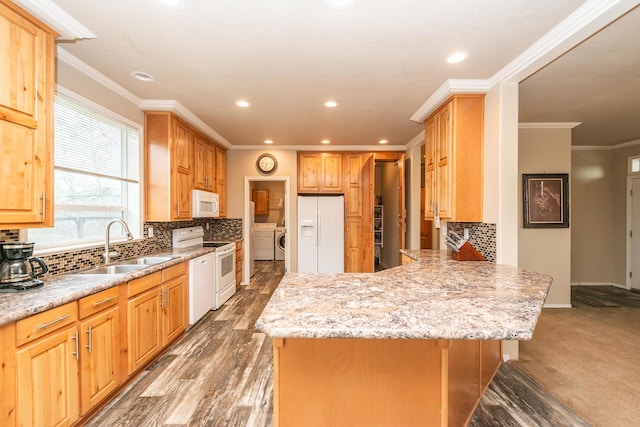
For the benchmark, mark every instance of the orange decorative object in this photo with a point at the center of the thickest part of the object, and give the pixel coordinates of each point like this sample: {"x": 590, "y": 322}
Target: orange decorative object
{"x": 467, "y": 253}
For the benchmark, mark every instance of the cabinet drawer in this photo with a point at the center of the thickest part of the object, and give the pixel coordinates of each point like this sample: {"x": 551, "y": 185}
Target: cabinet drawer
{"x": 41, "y": 324}
{"x": 98, "y": 302}
{"x": 145, "y": 283}
{"x": 175, "y": 271}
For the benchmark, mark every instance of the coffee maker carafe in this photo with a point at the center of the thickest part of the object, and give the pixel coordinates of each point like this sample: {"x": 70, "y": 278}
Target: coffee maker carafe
{"x": 18, "y": 270}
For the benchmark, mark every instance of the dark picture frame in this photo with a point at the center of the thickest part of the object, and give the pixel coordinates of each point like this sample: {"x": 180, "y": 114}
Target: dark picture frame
{"x": 546, "y": 200}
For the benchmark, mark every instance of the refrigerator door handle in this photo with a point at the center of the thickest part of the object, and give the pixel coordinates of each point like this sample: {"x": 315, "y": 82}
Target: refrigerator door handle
{"x": 319, "y": 229}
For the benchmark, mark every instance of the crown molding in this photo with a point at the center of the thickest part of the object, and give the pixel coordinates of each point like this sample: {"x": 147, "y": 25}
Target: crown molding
{"x": 54, "y": 16}
{"x": 417, "y": 140}
{"x": 605, "y": 147}
{"x": 326, "y": 148}
{"x": 548, "y": 125}
{"x": 185, "y": 114}
{"x": 585, "y": 21}
{"x": 144, "y": 104}
{"x": 444, "y": 92}
{"x": 96, "y": 75}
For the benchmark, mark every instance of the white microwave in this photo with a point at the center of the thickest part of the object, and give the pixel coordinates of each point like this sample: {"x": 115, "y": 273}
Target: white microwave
{"x": 205, "y": 204}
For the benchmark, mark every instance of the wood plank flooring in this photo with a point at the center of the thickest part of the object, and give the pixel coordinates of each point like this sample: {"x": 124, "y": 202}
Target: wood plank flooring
{"x": 219, "y": 373}
{"x": 603, "y": 296}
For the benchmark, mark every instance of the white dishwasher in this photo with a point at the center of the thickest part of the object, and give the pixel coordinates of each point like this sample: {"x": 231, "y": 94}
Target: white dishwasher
{"x": 202, "y": 292}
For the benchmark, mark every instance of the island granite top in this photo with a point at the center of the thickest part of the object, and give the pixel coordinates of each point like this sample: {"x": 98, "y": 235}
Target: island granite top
{"x": 432, "y": 298}
{"x": 59, "y": 290}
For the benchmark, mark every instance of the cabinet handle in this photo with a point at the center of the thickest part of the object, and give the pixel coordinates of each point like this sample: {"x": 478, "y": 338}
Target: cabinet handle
{"x": 90, "y": 332}
{"x": 53, "y": 322}
{"x": 161, "y": 299}
{"x": 168, "y": 297}
{"x": 77, "y": 353}
{"x": 44, "y": 205}
{"x": 106, "y": 300}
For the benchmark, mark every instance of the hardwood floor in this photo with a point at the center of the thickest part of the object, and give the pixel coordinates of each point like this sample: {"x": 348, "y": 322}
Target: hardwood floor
{"x": 219, "y": 373}
{"x": 603, "y": 296}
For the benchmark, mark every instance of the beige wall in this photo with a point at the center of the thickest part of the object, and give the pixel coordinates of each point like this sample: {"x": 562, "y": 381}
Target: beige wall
{"x": 413, "y": 200}
{"x": 591, "y": 216}
{"x": 241, "y": 164}
{"x": 547, "y": 250}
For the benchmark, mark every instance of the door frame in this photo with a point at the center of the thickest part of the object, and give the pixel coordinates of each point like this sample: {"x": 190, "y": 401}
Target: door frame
{"x": 629, "y": 260}
{"x": 399, "y": 158}
{"x": 246, "y": 263}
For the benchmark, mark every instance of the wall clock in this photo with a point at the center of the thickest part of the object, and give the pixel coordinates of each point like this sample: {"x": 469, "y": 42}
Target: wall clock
{"x": 266, "y": 163}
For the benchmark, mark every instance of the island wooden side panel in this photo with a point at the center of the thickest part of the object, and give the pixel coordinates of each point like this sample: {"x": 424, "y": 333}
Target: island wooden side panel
{"x": 365, "y": 382}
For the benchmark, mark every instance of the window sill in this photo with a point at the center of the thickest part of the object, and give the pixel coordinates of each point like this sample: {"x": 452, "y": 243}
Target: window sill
{"x": 78, "y": 247}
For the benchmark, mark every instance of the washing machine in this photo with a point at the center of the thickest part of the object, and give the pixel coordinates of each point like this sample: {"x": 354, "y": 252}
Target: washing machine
{"x": 279, "y": 242}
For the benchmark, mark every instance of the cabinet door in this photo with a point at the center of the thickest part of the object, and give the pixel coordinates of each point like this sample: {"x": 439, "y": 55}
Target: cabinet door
{"x": 47, "y": 380}
{"x": 182, "y": 196}
{"x": 309, "y": 172}
{"x": 261, "y": 199}
{"x": 144, "y": 328}
{"x": 100, "y": 357}
{"x": 221, "y": 179}
{"x": 26, "y": 106}
{"x": 445, "y": 162}
{"x": 183, "y": 143}
{"x": 331, "y": 173}
{"x": 431, "y": 132}
{"x": 199, "y": 167}
{"x": 173, "y": 306}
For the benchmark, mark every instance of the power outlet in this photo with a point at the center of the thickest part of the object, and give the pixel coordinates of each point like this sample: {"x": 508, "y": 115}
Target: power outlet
{"x": 150, "y": 232}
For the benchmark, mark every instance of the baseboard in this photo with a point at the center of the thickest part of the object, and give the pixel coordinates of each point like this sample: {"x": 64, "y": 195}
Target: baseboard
{"x": 617, "y": 285}
{"x": 557, "y": 306}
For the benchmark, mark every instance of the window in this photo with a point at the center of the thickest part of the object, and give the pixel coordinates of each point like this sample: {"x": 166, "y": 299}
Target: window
{"x": 634, "y": 165}
{"x": 96, "y": 173}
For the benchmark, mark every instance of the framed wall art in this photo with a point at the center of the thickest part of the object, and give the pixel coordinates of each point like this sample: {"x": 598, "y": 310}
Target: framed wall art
{"x": 546, "y": 200}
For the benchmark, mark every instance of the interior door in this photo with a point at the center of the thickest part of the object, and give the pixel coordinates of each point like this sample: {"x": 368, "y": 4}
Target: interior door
{"x": 634, "y": 280}
{"x": 402, "y": 212}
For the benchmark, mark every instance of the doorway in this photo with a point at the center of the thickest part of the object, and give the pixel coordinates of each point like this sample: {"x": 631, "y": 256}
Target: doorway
{"x": 276, "y": 210}
{"x": 389, "y": 209}
{"x": 633, "y": 242}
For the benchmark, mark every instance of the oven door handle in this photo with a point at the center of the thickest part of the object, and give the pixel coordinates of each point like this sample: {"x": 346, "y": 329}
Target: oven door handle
{"x": 225, "y": 251}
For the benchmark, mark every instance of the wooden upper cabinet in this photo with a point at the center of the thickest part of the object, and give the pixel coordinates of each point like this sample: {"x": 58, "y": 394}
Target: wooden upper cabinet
{"x": 168, "y": 167}
{"x": 27, "y": 55}
{"x": 320, "y": 173}
{"x": 221, "y": 179}
{"x": 454, "y": 160}
{"x": 204, "y": 164}
{"x": 261, "y": 200}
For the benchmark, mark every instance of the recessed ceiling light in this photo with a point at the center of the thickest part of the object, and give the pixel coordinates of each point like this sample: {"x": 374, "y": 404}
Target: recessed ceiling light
{"x": 326, "y": 141}
{"x": 143, "y": 77}
{"x": 457, "y": 56}
{"x": 382, "y": 141}
{"x": 173, "y": 4}
{"x": 242, "y": 103}
{"x": 268, "y": 141}
{"x": 331, "y": 104}
{"x": 339, "y": 4}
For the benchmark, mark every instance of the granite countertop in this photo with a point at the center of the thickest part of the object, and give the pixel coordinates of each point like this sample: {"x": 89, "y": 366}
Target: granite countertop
{"x": 59, "y": 290}
{"x": 432, "y": 298}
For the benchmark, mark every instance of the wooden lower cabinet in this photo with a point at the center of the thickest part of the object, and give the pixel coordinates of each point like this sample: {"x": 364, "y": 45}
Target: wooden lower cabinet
{"x": 144, "y": 317}
{"x": 47, "y": 380}
{"x": 239, "y": 259}
{"x": 100, "y": 357}
{"x": 364, "y": 382}
{"x": 58, "y": 366}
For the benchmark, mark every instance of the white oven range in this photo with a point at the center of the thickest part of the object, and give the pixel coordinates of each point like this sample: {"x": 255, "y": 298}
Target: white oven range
{"x": 211, "y": 276}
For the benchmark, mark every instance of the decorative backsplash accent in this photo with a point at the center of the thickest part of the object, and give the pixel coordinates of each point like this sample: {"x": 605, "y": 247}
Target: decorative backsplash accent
{"x": 481, "y": 235}
{"x": 67, "y": 262}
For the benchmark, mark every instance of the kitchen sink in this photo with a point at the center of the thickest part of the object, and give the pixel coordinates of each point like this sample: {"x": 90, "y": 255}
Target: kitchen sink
{"x": 148, "y": 260}
{"x": 116, "y": 269}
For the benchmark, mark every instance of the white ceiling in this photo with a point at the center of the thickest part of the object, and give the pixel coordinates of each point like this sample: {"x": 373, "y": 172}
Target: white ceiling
{"x": 380, "y": 60}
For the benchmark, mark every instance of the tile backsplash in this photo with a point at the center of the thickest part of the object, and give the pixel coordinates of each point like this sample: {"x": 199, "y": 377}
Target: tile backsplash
{"x": 66, "y": 262}
{"x": 481, "y": 235}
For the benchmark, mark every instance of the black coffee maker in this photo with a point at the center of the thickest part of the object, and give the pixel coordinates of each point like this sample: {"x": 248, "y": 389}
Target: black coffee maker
{"x": 18, "y": 270}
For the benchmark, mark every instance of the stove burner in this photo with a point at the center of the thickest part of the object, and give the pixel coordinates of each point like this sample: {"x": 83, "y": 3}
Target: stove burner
{"x": 20, "y": 286}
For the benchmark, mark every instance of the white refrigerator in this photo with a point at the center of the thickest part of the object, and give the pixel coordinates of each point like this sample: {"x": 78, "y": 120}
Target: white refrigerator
{"x": 321, "y": 234}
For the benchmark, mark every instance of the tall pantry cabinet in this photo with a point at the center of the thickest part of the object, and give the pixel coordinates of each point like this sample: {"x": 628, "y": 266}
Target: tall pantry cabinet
{"x": 454, "y": 137}
{"x": 27, "y": 55}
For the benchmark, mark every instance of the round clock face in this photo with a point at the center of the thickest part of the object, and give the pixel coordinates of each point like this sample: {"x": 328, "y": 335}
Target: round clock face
{"x": 266, "y": 163}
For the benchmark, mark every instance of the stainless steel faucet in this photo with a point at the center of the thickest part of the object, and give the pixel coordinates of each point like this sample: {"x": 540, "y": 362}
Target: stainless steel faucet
{"x": 107, "y": 254}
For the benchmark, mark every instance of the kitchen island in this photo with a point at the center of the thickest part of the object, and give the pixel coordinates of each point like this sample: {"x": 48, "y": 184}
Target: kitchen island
{"x": 412, "y": 345}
